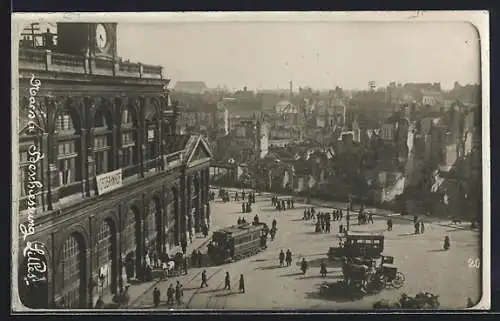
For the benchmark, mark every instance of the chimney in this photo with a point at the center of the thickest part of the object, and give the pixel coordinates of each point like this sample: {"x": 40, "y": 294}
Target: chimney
{"x": 291, "y": 89}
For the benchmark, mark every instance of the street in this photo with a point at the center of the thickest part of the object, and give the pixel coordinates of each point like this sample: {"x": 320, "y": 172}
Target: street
{"x": 268, "y": 286}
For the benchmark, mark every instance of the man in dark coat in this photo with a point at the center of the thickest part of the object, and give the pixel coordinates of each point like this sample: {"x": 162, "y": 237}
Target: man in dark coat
{"x": 288, "y": 257}
{"x": 156, "y": 297}
{"x": 170, "y": 294}
{"x": 204, "y": 279}
{"x": 242, "y": 284}
{"x": 227, "y": 282}
{"x": 282, "y": 258}
{"x": 179, "y": 293}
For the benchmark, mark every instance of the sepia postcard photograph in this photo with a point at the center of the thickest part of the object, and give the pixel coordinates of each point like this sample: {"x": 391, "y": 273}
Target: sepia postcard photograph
{"x": 250, "y": 161}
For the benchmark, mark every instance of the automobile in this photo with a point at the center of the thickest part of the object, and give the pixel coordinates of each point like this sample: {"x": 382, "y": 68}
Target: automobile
{"x": 357, "y": 245}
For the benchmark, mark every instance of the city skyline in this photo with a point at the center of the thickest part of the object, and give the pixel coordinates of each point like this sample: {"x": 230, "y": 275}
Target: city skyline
{"x": 364, "y": 51}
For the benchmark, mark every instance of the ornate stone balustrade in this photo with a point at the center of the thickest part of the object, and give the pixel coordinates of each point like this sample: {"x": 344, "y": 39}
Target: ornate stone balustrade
{"x": 36, "y": 59}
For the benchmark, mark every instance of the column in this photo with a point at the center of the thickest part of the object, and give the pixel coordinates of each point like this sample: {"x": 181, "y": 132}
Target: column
{"x": 115, "y": 148}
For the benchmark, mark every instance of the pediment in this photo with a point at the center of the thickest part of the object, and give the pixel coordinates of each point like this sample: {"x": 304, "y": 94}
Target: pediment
{"x": 200, "y": 152}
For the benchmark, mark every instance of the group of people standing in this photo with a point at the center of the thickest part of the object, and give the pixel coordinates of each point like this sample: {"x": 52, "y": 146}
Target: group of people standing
{"x": 282, "y": 205}
{"x": 285, "y": 258}
{"x": 177, "y": 292}
{"x": 323, "y": 222}
{"x": 251, "y": 197}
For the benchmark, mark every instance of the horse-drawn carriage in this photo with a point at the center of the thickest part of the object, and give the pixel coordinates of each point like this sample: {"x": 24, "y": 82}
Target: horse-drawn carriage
{"x": 364, "y": 267}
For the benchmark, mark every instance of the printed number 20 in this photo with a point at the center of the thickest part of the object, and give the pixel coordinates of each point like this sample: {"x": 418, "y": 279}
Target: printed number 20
{"x": 473, "y": 263}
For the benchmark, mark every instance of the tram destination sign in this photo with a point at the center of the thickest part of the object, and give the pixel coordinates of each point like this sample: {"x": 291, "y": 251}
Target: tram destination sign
{"x": 109, "y": 181}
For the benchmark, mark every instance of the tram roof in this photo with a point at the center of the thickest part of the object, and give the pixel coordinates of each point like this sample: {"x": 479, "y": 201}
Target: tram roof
{"x": 237, "y": 229}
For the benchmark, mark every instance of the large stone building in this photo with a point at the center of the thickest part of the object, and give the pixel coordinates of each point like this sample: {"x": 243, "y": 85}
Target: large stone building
{"x": 114, "y": 183}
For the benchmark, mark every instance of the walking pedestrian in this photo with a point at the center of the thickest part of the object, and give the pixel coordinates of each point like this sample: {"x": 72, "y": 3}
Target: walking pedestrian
{"x": 422, "y": 227}
{"x": 156, "y": 297}
{"x": 370, "y": 218}
{"x": 227, "y": 282}
{"x": 179, "y": 293}
{"x": 282, "y": 258}
{"x": 242, "y": 284}
{"x": 204, "y": 279}
{"x": 417, "y": 228}
{"x": 288, "y": 257}
{"x": 199, "y": 257}
{"x": 243, "y": 207}
{"x": 170, "y": 294}
{"x": 323, "y": 269}
{"x": 243, "y": 195}
{"x": 389, "y": 224}
{"x": 194, "y": 259}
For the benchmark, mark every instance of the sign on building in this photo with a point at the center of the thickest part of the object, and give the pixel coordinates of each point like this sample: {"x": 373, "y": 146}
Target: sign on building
{"x": 109, "y": 181}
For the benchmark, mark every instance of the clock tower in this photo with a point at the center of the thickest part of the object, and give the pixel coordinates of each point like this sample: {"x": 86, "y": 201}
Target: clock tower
{"x": 93, "y": 39}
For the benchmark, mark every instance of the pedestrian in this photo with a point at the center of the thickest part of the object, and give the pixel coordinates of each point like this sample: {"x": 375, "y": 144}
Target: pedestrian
{"x": 323, "y": 269}
{"x": 236, "y": 198}
{"x": 242, "y": 284}
{"x": 243, "y": 207}
{"x": 282, "y": 258}
{"x": 243, "y": 195}
{"x": 205, "y": 230}
{"x": 417, "y": 228}
{"x": 204, "y": 279}
{"x": 199, "y": 257}
{"x": 328, "y": 226}
{"x": 303, "y": 266}
{"x": 156, "y": 297}
{"x": 389, "y": 224}
{"x": 170, "y": 294}
{"x": 185, "y": 264}
{"x": 305, "y": 215}
{"x": 179, "y": 293}
{"x": 227, "y": 282}
{"x": 194, "y": 258}
{"x": 341, "y": 214}
{"x": 422, "y": 227}
{"x": 184, "y": 245}
{"x": 288, "y": 257}
{"x": 293, "y": 203}
{"x": 341, "y": 228}
{"x": 370, "y": 218}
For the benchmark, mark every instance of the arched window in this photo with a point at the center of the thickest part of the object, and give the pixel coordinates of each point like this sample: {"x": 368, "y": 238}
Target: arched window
{"x": 128, "y": 138}
{"x": 73, "y": 287}
{"x": 104, "y": 256}
{"x": 68, "y": 149}
{"x": 103, "y": 138}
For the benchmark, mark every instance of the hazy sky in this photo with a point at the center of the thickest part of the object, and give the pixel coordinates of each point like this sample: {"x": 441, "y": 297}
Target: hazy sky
{"x": 321, "y": 55}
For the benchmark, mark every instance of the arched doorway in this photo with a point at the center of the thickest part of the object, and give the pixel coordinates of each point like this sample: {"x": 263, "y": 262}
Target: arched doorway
{"x": 133, "y": 245}
{"x": 106, "y": 258}
{"x": 73, "y": 268}
{"x": 33, "y": 277}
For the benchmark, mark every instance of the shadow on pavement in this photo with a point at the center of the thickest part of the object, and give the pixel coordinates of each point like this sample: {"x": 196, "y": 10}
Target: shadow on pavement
{"x": 437, "y": 250}
{"x": 226, "y": 294}
{"x": 291, "y": 274}
{"x": 316, "y": 263}
{"x": 298, "y": 220}
{"x": 270, "y": 267}
{"x": 336, "y": 292}
{"x": 260, "y": 260}
{"x": 407, "y": 234}
{"x": 212, "y": 291}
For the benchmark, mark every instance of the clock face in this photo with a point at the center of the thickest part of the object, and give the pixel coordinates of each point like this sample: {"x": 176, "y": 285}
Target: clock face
{"x": 101, "y": 36}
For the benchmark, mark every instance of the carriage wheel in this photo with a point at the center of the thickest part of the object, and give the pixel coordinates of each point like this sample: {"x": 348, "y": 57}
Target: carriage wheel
{"x": 399, "y": 280}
